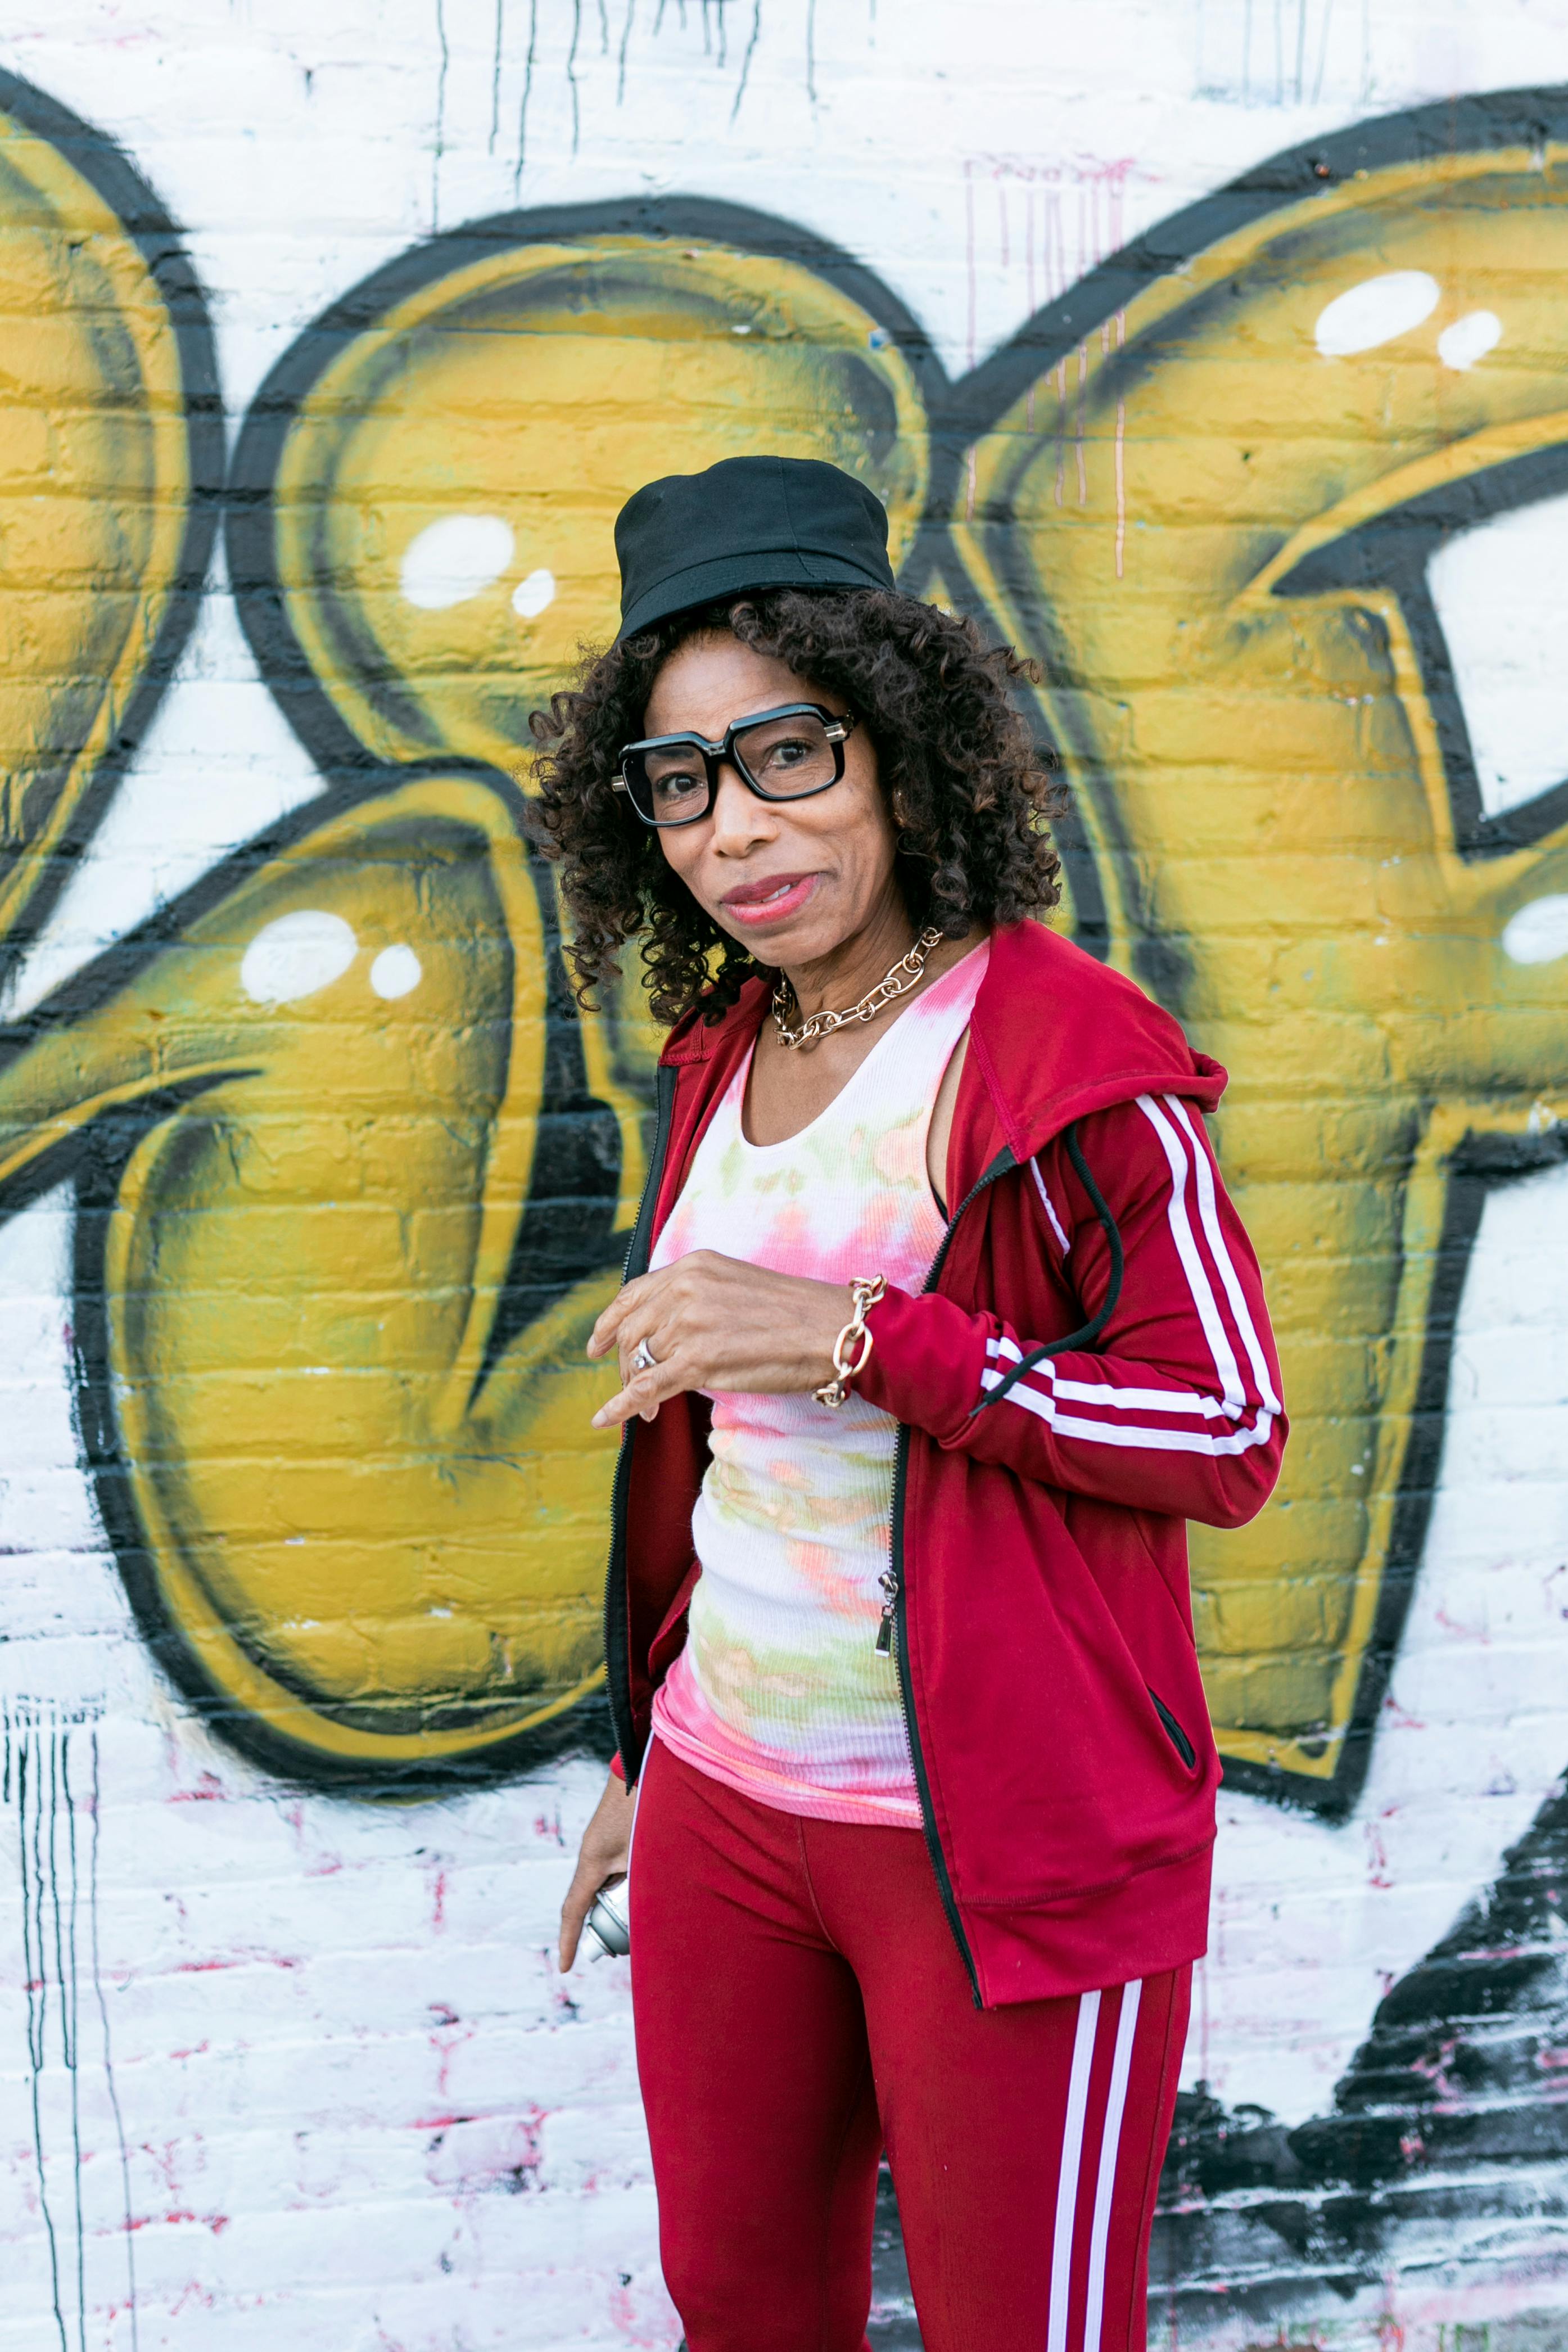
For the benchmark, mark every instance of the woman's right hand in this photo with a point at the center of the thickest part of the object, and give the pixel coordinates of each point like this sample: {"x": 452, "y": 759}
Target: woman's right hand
{"x": 604, "y": 1853}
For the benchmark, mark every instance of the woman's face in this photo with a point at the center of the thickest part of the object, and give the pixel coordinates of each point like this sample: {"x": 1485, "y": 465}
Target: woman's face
{"x": 794, "y": 880}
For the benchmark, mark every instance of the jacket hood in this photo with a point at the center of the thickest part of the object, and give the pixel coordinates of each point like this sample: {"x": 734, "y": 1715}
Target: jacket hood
{"x": 1054, "y": 1035}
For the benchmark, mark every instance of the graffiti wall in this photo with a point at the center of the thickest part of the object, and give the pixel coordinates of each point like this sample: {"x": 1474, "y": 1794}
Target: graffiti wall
{"x": 1213, "y": 354}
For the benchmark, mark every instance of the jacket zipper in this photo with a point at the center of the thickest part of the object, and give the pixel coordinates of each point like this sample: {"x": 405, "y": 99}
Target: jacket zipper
{"x": 891, "y": 1638}
{"x": 617, "y": 1656}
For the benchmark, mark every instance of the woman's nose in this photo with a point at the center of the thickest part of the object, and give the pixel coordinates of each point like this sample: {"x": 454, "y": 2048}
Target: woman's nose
{"x": 739, "y": 818}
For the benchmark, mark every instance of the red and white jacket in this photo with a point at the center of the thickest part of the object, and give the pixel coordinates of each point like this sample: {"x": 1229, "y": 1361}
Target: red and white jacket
{"x": 1042, "y": 1624}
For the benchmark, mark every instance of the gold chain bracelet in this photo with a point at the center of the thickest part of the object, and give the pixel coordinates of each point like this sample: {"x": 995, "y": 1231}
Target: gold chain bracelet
{"x": 852, "y": 1349}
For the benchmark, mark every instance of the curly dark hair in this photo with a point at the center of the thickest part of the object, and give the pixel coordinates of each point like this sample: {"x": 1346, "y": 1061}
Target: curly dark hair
{"x": 974, "y": 791}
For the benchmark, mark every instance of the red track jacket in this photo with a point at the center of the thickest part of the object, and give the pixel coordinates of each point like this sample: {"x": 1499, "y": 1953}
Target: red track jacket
{"x": 1043, "y": 1628}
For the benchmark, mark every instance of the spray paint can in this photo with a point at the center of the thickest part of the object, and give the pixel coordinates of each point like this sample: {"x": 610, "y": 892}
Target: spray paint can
{"x": 610, "y": 1922}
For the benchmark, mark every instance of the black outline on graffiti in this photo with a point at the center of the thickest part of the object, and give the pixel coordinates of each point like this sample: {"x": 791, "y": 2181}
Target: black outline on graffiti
{"x": 1392, "y": 552}
{"x": 1478, "y": 1166}
{"x": 541, "y": 1270}
{"x": 145, "y": 220}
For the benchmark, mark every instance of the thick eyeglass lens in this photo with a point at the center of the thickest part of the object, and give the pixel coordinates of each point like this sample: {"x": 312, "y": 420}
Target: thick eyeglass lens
{"x": 669, "y": 784}
{"x": 787, "y": 757}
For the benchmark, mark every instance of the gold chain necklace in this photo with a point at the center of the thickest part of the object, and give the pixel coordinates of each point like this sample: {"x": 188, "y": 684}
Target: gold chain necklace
{"x": 896, "y": 981}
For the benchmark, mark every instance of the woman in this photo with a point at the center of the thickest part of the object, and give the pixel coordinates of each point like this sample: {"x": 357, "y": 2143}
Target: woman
{"x": 937, "y": 1326}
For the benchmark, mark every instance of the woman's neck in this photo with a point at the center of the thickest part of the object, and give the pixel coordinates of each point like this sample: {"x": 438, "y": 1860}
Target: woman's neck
{"x": 843, "y": 976}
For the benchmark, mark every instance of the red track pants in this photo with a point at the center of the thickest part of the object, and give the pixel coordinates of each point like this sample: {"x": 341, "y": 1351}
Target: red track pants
{"x": 800, "y": 2004}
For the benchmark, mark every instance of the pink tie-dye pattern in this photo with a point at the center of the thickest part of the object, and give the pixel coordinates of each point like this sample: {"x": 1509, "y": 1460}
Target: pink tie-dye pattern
{"x": 780, "y": 1690}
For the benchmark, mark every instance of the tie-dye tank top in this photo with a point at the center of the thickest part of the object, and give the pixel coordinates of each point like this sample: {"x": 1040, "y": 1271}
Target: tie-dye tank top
{"x": 780, "y": 1690}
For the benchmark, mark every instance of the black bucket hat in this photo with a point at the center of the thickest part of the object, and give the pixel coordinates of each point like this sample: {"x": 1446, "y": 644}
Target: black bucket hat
{"x": 746, "y": 522}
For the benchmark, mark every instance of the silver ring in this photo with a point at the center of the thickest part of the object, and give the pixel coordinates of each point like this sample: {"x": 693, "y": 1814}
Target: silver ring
{"x": 642, "y": 1358}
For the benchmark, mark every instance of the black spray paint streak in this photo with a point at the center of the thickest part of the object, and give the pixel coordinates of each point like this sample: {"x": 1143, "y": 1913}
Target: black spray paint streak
{"x": 112, "y": 2085}
{"x": 715, "y": 49}
{"x": 746, "y": 61}
{"x": 40, "y": 1747}
{"x": 37, "y": 1988}
{"x": 445, "y": 47}
{"x": 626, "y": 44}
{"x": 62, "y": 1826}
{"x": 528, "y": 93}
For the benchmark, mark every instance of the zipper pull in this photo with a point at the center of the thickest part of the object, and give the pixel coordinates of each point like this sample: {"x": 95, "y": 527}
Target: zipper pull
{"x": 889, "y": 1583}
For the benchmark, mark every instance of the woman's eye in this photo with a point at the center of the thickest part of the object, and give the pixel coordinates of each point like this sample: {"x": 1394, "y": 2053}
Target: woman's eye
{"x": 678, "y": 784}
{"x": 789, "y": 753}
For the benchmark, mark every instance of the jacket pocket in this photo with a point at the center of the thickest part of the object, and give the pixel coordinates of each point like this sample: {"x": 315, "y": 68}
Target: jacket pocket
{"x": 1174, "y": 1732}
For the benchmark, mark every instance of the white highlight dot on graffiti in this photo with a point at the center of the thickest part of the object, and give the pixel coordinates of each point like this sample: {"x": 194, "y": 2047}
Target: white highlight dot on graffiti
{"x": 1469, "y": 338}
{"x": 454, "y": 559}
{"x": 1375, "y": 312}
{"x": 395, "y": 970}
{"x": 530, "y": 597}
{"x": 1537, "y": 933}
{"x": 296, "y": 955}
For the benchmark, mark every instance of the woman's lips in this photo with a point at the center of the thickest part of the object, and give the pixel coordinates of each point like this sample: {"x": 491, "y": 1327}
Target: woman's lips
{"x": 772, "y": 901}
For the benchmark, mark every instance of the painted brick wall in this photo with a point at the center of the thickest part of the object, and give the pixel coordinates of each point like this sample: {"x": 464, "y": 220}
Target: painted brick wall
{"x": 1211, "y": 351}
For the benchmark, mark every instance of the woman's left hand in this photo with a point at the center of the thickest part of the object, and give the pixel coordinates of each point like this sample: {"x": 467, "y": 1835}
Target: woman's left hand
{"x": 713, "y": 1322}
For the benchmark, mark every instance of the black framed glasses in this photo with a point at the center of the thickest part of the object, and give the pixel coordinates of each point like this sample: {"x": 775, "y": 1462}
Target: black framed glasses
{"x": 780, "y": 755}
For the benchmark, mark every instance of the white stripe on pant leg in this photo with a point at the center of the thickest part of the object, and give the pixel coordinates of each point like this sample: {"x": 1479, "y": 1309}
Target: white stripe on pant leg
{"x": 1104, "y": 2188}
{"x": 1067, "y": 2179}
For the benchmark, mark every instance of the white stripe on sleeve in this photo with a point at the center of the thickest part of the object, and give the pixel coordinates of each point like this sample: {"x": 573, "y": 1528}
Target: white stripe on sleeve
{"x": 1057, "y": 1227}
{"x": 1134, "y": 1433}
{"x": 1208, "y": 1208}
{"x": 1144, "y": 1416}
{"x": 1198, "y": 1283}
